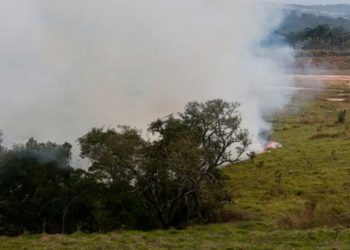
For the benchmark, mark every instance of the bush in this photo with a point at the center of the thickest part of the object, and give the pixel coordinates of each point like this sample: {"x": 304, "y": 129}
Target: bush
{"x": 341, "y": 117}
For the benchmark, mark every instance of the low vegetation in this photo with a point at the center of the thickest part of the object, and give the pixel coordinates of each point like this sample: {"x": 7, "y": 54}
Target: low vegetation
{"x": 221, "y": 236}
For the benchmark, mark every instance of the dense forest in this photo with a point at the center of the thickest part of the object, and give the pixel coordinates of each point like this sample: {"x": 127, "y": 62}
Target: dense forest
{"x": 171, "y": 180}
{"x": 319, "y": 37}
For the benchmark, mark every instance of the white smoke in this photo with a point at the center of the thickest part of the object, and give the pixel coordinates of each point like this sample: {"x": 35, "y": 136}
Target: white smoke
{"x": 69, "y": 65}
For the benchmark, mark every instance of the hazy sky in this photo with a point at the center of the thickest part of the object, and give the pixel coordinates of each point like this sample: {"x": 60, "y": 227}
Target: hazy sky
{"x": 313, "y": 1}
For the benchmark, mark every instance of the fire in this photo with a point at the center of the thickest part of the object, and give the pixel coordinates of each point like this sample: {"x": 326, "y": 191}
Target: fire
{"x": 270, "y": 145}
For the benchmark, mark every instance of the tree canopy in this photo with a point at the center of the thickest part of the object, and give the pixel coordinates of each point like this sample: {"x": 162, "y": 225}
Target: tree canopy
{"x": 320, "y": 37}
{"x": 171, "y": 180}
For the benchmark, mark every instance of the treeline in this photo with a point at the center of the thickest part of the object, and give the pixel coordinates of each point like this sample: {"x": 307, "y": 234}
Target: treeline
{"x": 321, "y": 37}
{"x": 295, "y": 21}
{"x": 171, "y": 180}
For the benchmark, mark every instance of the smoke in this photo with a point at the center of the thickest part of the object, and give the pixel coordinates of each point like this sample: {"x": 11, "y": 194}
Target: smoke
{"x": 67, "y": 66}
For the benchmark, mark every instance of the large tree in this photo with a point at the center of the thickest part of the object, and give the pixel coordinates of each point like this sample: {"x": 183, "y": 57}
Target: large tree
{"x": 177, "y": 173}
{"x": 183, "y": 165}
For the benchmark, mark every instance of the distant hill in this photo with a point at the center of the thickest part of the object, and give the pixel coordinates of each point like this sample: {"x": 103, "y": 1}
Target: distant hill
{"x": 335, "y": 11}
{"x": 299, "y": 17}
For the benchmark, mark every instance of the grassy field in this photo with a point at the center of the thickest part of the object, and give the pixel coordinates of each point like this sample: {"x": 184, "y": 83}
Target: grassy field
{"x": 224, "y": 236}
{"x": 296, "y": 197}
{"x": 306, "y": 183}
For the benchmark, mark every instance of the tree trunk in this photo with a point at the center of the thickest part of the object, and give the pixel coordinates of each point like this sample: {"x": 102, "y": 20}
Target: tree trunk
{"x": 43, "y": 229}
{"x": 159, "y": 212}
{"x": 64, "y": 220}
{"x": 165, "y": 225}
{"x": 196, "y": 202}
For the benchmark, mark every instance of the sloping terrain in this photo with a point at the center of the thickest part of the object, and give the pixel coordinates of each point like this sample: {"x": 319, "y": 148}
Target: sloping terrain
{"x": 295, "y": 197}
{"x": 306, "y": 183}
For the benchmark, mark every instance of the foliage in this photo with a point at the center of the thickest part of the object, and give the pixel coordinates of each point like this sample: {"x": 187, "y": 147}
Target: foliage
{"x": 171, "y": 172}
{"x": 172, "y": 180}
{"x": 295, "y": 21}
{"x": 320, "y": 37}
{"x": 32, "y": 176}
{"x": 341, "y": 117}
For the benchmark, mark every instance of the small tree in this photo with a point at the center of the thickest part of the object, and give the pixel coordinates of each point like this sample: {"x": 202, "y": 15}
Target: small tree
{"x": 341, "y": 117}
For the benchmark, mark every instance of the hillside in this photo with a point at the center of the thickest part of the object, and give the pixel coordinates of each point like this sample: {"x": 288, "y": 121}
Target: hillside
{"x": 299, "y": 17}
{"x": 289, "y": 198}
{"x": 305, "y": 184}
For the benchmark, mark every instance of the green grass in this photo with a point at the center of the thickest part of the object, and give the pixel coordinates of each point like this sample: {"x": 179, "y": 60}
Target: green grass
{"x": 312, "y": 167}
{"x": 296, "y": 197}
{"x": 224, "y": 236}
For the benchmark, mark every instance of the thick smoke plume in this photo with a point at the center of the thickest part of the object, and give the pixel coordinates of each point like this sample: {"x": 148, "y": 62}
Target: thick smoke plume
{"x": 69, "y": 65}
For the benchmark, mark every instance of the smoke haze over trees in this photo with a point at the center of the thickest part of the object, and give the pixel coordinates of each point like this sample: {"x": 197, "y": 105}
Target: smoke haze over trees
{"x": 173, "y": 180}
